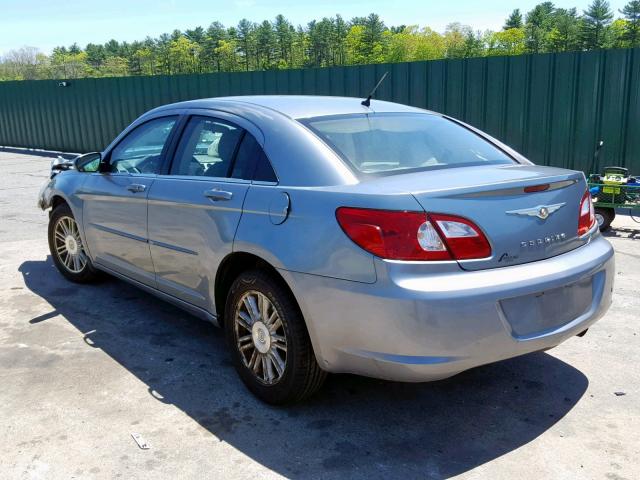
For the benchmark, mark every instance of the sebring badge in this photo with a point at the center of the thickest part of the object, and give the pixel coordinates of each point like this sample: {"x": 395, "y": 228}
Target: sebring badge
{"x": 541, "y": 211}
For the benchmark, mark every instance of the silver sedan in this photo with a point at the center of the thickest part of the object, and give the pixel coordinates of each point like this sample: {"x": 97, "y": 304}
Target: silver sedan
{"x": 327, "y": 235}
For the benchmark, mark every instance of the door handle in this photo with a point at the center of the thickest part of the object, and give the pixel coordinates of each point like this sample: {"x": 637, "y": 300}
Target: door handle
{"x": 136, "y": 187}
{"x": 217, "y": 195}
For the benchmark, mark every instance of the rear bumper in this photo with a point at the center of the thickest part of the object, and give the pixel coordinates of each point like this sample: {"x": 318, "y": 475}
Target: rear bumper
{"x": 412, "y": 326}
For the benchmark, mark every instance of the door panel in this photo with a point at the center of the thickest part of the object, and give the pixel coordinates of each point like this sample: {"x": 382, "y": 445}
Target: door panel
{"x": 115, "y": 223}
{"x": 192, "y": 223}
{"x": 115, "y": 201}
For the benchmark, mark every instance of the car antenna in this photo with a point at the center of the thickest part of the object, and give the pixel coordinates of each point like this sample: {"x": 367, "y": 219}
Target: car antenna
{"x": 367, "y": 101}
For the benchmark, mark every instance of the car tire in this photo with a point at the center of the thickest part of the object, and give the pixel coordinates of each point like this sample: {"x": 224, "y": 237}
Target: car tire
{"x": 268, "y": 339}
{"x": 604, "y": 217}
{"x": 67, "y": 249}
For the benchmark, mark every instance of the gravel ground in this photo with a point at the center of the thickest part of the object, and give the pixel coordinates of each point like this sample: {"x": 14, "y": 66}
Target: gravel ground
{"x": 85, "y": 367}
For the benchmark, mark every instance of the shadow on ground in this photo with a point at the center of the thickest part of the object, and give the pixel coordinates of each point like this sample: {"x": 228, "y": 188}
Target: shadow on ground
{"x": 355, "y": 427}
{"x": 623, "y": 232}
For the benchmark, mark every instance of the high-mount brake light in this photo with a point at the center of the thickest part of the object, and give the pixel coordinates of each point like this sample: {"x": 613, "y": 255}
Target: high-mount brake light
{"x": 402, "y": 235}
{"x": 537, "y": 188}
{"x": 586, "y": 215}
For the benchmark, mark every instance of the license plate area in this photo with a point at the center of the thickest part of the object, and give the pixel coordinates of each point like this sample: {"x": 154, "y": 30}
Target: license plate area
{"x": 545, "y": 311}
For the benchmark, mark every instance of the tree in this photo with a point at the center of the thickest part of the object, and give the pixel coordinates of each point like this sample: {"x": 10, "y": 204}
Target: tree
{"x": 474, "y": 44}
{"x": 595, "y": 24}
{"x": 183, "y": 55}
{"x": 329, "y": 41}
{"x": 142, "y": 62}
{"x": 537, "y": 27}
{"x": 69, "y": 65}
{"x": 455, "y": 38}
{"x": 374, "y": 28}
{"x": 514, "y": 20}
{"x": 112, "y": 48}
{"x": 356, "y": 50}
{"x": 114, "y": 67}
{"x": 162, "y": 47}
{"x": 631, "y": 12}
{"x": 507, "y": 42}
{"x": 565, "y": 34}
{"x": 284, "y": 33}
{"x": 211, "y": 57}
{"x": 340, "y": 31}
{"x": 265, "y": 46}
{"x": 96, "y": 55}
{"x": 196, "y": 35}
{"x": 373, "y": 37}
{"x": 246, "y": 42}
{"x": 226, "y": 55}
{"x": 415, "y": 44}
{"x": 21, "y": 64}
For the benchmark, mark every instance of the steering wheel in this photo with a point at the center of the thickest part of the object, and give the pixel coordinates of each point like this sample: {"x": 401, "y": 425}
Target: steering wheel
{"x": 146, "y": 165}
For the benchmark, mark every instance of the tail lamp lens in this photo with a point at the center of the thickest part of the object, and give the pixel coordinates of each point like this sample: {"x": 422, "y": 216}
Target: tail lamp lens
{"x": 464, "y": 239}
{"x": 587, "y": 216}
{"x": 401, "y": 235}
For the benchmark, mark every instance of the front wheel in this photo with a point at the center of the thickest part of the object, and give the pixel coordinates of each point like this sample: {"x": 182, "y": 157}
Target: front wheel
{"x": 67, "y": 249}
{"x": 604, "y": 217}
{"x": 269, "y": 341}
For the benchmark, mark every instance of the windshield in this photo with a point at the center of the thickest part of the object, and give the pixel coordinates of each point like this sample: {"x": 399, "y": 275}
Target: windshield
{"x": 397, "y": 142}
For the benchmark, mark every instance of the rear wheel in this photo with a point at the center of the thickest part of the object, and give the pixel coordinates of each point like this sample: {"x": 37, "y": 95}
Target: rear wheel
{"x": 604, "y": 217}
{"x": 66, "y": 247}
{"x": 269, "y": 341}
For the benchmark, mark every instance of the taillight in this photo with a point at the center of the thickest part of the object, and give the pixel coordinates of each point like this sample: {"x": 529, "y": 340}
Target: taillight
{"x": 587, "y": 217}
{"x": 399, "y": 235}
{"x": 464, "y": 239}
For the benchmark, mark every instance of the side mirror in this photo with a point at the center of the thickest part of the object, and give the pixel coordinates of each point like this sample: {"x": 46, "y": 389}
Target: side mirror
{"x": 89, "y": 162}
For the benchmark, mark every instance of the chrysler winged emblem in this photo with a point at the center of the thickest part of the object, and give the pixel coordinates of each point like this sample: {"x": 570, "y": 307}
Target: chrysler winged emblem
{"x": 541, "y": 211}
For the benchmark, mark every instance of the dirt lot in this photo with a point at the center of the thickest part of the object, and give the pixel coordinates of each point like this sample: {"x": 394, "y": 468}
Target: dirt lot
{"x": 82, "y": 368}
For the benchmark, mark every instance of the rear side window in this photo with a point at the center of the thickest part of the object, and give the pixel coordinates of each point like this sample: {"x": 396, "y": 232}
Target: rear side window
{"x": 206, "y": 148}
{"x": 388, "y": 143}
{"x": 252, "y": 163}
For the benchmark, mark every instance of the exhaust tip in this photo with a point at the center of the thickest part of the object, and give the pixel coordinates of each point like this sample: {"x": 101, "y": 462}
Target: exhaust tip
{"x": 582, "y": 333}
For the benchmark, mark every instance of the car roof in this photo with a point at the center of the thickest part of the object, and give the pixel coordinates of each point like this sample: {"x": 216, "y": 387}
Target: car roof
{"x": 297, "y": 106}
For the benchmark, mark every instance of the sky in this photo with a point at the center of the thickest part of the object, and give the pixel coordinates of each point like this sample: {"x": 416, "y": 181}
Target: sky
{"x": 45, "y": 24}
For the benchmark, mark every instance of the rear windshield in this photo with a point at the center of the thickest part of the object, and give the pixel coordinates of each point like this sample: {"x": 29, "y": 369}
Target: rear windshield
{"x": 388, "y": 143}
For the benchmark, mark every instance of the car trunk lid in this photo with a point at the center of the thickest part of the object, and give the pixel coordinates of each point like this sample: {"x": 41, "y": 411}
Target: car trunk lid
{"x": 527, "y": 212}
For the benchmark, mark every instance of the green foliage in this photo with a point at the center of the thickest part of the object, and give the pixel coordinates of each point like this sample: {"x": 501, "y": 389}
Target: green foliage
{"x": 595, "y": 25}
{"x": 278, "y": 44}
{"x": 538, "y": 26}
{"x": 565, "y": 32}
{"x": 631, "y": 31}
{"x": 514, "y": 20}
{"x": 508, "y": 42}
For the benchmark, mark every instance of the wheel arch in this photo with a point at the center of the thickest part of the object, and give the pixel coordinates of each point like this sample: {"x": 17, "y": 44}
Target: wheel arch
{"x": 237, "y": 262}
{"x": 234, "y": 264}
{"x": 56, "y": 200}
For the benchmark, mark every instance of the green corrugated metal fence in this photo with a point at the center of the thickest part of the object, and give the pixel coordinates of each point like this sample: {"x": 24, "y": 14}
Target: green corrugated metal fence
{"x": 553, "y": 108}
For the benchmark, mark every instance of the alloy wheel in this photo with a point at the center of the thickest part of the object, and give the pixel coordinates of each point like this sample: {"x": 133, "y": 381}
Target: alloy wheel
{"x": 260, "y": 337}
{"x": 68, "y": 245}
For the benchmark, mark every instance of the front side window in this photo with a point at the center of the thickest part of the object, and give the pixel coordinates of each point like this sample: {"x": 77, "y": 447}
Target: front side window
{"x": 388, "y": 143}
{"x": 207, "y": 148}
{"x": 141, "y": 150}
